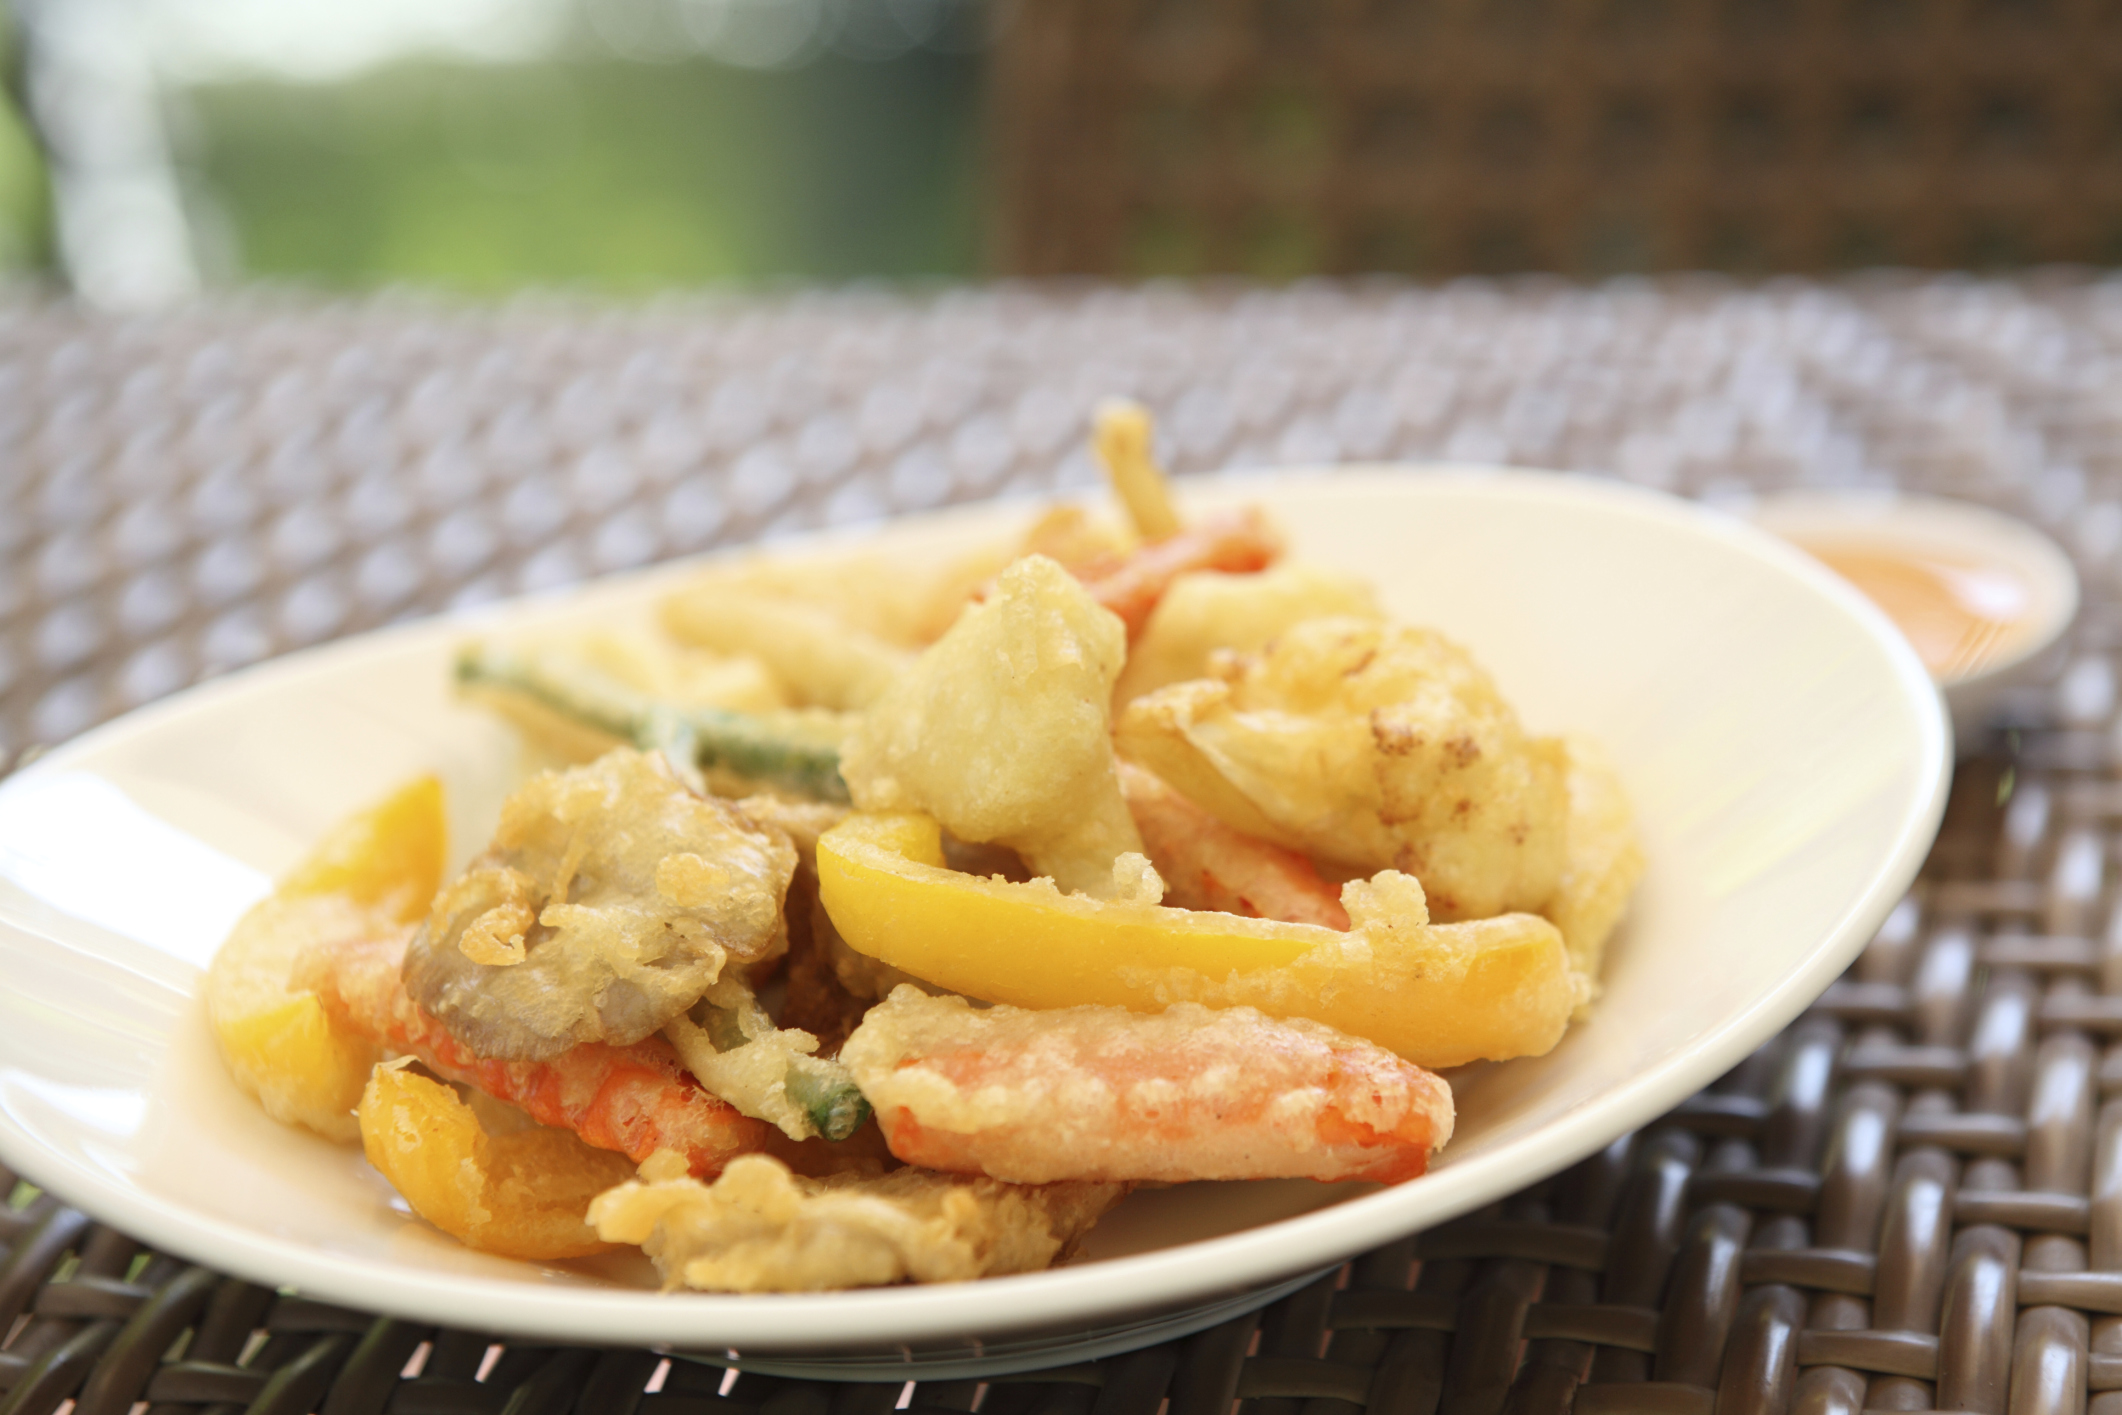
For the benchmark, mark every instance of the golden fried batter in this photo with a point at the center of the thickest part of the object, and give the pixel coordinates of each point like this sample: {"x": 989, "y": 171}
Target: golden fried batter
{"x": 1002, "y": 731}
{"x": 1102, "y": 1093}
{"x": 1372, "y": 746}
{"x": 761, "y": 1228}
{"x": 1210, "y": 609}
{"x": 1603, "y": 864}
{"x": 608, "y": 902}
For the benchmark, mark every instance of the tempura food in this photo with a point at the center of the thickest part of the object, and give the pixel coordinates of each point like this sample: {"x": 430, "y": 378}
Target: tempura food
{"x": 760, "y": 1228}
{"x": 522, "y": 1194}
{"x": 1372, "y": 746}
{"x": 1002, "y": 731}
{"x": 1207, "y": 612}
{"x": 609, "y": 902}
{"x": 867, "y": 923}
{"x": 1107, "y": 1094}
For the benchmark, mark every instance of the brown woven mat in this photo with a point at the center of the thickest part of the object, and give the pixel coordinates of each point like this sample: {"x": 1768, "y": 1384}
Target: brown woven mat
{"x": 1145, "y": 137}
{"x": 1912, "y": 1199}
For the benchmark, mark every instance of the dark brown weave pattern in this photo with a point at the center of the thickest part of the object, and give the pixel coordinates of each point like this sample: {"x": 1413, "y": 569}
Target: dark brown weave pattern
{"x": 1276, "y": 137}
{"x": 1912, "y": 1199}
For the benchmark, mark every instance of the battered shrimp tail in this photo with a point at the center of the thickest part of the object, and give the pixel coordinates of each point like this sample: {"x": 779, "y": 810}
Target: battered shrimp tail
{"x": 1209, "y": 865}
{"x": 1101, "y": 1093}
{"x": 635, "y": 1099}
{"x": 1236, "y": 542}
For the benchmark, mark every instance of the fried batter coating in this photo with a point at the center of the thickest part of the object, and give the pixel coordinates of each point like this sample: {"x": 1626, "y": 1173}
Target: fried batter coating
{"x": 761, "y": 1228}
{"x": 770, "y": 1073}
{"x": 608, "y": 902}
{"x": 1102, "y": 1093}
{"x": 1372, "y": 746}
{"x": 1438, "y": 994}
{"x": 816, "y": 1000}
{"x": 802, "y": 821}
{"x": 1002, "y": 731}
{"x": 887, "y": 597}
{"x": 677, "y": 673}
{"x": 521, "y": 1194}
{"x": 277, "y": 1039}
{"x": 1604, "y": 862}
{"x": 376, "y": 871}
{"x": 1077, "y": 539}
{"x": 635, "y": 1099}
{"x": 817, "y": 657}
{"x": 1210, "y": 609}
{"x": 1207, "y": 865}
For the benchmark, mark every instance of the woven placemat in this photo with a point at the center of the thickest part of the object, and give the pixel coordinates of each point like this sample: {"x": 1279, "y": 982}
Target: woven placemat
{"x": 1911, "y": 1199}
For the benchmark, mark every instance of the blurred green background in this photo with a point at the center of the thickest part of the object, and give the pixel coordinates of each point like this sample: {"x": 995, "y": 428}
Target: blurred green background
{"x": 599, "y": 172}
{"x": 25, "y": 197}
{"x": 615, "y": 150}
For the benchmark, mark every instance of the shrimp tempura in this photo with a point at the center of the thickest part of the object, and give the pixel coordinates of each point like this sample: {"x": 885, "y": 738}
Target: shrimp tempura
{"x": 1100, "y": 1093}
{"x": 635, "y": 1099}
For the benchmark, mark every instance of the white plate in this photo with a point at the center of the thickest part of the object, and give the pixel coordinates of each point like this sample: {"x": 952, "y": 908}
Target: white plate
{"x": 1785, "y": 749}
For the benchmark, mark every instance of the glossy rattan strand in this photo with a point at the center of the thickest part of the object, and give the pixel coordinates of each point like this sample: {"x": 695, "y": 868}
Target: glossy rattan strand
{"x": 1912, "y": 1199}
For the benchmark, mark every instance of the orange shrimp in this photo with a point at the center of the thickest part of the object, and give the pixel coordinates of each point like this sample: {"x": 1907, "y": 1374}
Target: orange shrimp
{"x": 1237, "y": 542}
{"x": 635, "y": 1099}
{"x": 1208, "y": 865}
{"x": 1100, "y": 1093}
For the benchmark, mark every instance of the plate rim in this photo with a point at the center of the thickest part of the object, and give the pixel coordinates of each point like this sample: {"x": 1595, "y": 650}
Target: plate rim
{"x": 1249, "y": 1258}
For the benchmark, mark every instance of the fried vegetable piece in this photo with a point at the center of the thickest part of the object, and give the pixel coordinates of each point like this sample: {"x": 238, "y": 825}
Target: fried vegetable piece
{"x": 769, "y": 1073}
{"x": 815, "y": 999}
{"x": 387, "y": 858}
{"x": 1077, "y": 540}
{"x": 1237, "y": 542}
{"x": 760, "y": 1228}
{"x": 1438, "y": 994}
{"x": 635, "y": 1099}
{"x": 1208, "y": 610}
{"x": 609, "y": 901}
{"x": 520, "y": 1195}
{"x": 801, "y": 821}
{"x": 680, "y": 674}
{"x": 891, "y": 598}
{"x": 821, "y": 659}
{"x": 576, "y": 711}
{"x": 1207, "y": 865}
{"x": 1604, "y": 862}
{"x": 862, "y": 1154}
{"x": 375, "y": 870}
{"x": 1121, "y": 435}
{"x": 1101, "y": 1093}
{"x": 1002, "y": 731}
{"x": 277, "y": 1040}
{"x": 1373, "y": 746}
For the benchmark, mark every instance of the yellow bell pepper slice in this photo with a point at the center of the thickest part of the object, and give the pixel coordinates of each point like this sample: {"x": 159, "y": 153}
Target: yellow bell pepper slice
{"x": 521, "y": 1195}
{"x": 388, "y": 857}
{"x": 377, "y": 870}
{"x": 1438, "y": 994}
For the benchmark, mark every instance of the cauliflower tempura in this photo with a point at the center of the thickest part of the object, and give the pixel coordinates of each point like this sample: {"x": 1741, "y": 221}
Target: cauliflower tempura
{"x": 1003, "y": 731}
{"x": 1374, "y": 746}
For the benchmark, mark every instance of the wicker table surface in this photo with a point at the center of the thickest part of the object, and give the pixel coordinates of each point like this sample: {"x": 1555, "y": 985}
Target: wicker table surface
{"x": 1912, "y": 1199}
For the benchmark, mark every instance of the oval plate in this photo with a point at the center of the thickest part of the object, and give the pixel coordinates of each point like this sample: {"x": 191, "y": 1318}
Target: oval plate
{"x": 1787, "y": 753}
